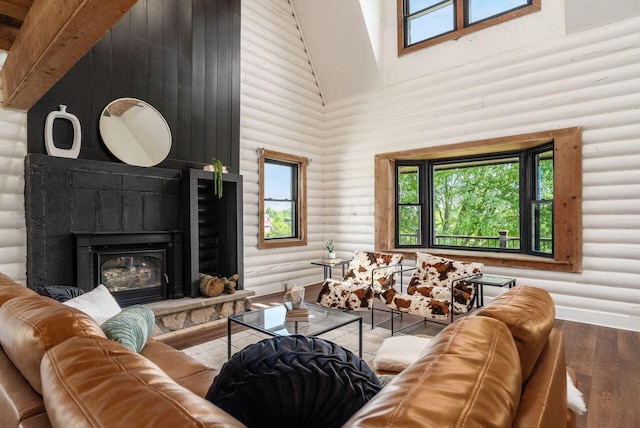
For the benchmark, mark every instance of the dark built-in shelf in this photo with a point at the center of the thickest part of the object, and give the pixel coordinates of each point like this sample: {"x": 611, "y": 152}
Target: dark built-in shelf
{"x": 214, "y": 243}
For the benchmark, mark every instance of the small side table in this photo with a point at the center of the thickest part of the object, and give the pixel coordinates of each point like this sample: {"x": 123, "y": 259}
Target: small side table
{"x": 495, "y": 281}
{"x": 328, "y": 266}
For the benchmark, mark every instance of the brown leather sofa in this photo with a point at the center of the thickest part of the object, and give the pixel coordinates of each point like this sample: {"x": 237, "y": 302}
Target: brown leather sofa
{"x": 57, "y": 369}
{"x": 502, "y": 367}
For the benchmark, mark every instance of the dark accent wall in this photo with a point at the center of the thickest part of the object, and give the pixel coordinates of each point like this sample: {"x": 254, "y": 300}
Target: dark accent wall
{"x": 182, "y": 57}
{"x": 66, "y": 195}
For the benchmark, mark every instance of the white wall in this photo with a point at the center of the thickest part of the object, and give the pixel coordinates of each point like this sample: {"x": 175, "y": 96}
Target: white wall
{"x": 281, "y": 109}
{"x": 13, "y": 235}
{"x": 494, "y": 83}
{"x": 590, "y": 79}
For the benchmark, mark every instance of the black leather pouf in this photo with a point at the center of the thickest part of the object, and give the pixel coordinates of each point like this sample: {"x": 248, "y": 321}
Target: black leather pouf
{"x": 293, "y": 381}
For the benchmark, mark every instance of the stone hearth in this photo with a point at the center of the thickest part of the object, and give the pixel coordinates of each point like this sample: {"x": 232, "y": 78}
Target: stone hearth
{"x": 178, "y": 314}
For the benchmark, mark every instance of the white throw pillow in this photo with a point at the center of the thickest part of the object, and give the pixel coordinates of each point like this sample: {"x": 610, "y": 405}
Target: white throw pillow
{"x": 397, "y": 352}
{"x": 98, "y": 303}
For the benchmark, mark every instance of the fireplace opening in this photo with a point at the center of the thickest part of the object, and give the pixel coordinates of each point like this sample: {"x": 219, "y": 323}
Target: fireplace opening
{"x": 137, "y": 275}
{"x": 136, "y": 267}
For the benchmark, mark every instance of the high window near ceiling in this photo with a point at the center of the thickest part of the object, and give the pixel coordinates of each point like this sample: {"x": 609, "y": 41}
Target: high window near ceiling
{"x": 282, "y": 205}
{"x": 423, "y": 23}
{"x": 511, "y": 201}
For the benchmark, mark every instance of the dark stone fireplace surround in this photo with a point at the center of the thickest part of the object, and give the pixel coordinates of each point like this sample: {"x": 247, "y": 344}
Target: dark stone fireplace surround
{"x": 112, "y": 201}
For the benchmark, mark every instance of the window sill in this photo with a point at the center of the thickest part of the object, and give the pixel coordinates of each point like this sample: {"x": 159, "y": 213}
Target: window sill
{"x": 282, "y": 243}
{"x": 490, "y": 258}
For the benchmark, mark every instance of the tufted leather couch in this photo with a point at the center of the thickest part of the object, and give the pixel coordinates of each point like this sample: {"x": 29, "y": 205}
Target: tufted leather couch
{"x": 504, "y": 366}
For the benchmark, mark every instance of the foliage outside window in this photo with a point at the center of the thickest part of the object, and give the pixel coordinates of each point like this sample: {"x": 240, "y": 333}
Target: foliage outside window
{"x": 423, "y": 23}
{"x": 497, "y": 202}
{"x": 282, "y": 200}
{"x": 509, "y": 201}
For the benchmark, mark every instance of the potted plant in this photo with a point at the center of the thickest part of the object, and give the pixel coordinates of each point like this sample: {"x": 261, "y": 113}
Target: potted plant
{"x": 329, "y": 245}
{"x": 217, "y": 168}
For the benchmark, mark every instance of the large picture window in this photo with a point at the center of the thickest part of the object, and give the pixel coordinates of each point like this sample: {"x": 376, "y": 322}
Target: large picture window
{"x": 498, "y": 202}
{"x": 509, "y": 201}
{"x": 423, "y": 23}
{"x": 282, "y": 200}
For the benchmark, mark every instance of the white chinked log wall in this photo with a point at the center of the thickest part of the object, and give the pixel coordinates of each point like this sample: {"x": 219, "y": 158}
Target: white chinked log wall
{"x": 282, "y": 110}
{"x": 588, "y": 79}
{"x": 13, "y": 235}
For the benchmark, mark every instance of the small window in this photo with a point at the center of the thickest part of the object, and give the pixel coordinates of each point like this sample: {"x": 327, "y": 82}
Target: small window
{"x": 282, "y": 200}
{"x": 542, "y": 203}
{"x": 410, "y": 205}
{"x": 480, "y": 10}
{"x": 427, "y": 22}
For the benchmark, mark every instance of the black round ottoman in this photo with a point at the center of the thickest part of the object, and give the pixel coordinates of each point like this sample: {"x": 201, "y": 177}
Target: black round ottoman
{"x": 293, "y": 381}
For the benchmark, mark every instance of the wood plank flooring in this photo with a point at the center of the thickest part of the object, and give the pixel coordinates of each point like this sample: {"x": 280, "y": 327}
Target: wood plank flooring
{"x": 606, "y": 362}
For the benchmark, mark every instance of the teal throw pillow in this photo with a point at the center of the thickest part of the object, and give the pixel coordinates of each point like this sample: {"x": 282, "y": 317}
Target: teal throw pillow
{"x": 385, "y": 379}
{"x": 131, "y": 327}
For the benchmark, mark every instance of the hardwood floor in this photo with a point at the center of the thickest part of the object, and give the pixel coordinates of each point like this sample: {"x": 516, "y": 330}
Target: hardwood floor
{"x": 606, "y": 362}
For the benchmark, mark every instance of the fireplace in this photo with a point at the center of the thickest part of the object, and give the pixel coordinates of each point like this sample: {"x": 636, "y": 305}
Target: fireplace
{"x": 77, "y": 207}
{"x": 135, "y": 267}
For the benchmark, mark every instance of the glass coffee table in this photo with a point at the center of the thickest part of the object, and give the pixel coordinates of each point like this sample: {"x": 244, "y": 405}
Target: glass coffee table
{"x": 495, "y": 281}
{"x": 271, "y": 321}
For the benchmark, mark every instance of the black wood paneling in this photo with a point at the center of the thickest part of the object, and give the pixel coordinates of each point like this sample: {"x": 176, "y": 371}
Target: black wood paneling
{"x": 65, "y": 196}
{"x": 213, "y": 243}
{"x": 181, "y": 56}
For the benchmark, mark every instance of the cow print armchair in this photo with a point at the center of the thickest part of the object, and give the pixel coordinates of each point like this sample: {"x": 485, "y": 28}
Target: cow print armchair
{"x": 435, "y": 283}
{"x": 367, "y": 276}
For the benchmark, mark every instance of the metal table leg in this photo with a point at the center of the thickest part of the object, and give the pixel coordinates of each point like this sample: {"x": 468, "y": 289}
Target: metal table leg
{"x": 228, "y": 339}
{"x": 360, "y": 337}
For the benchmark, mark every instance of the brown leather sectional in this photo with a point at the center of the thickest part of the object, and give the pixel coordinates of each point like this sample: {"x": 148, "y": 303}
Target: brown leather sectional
{"x": 57, "y": 369}
{"x": 502, "y": 367}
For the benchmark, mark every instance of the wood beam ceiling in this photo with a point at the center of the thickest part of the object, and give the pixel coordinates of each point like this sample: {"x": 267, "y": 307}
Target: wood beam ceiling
{"x": 8, "y": 34}
{"x": 16, "y": 9}
{"x": 54, "y": 36}
{"x": 12, "y": 15}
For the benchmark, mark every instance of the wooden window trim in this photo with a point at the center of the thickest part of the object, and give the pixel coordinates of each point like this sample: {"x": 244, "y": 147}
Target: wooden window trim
{"x": 301, "y": 239}
{"x": 461, "y": 31}
{"x": 567, "y": 223}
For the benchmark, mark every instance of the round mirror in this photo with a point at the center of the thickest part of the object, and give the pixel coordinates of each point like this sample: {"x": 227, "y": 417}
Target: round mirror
{"x": 135, "y": 132}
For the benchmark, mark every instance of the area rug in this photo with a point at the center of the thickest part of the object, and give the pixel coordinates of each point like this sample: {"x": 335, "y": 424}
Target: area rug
{"x": 214, "y": 353}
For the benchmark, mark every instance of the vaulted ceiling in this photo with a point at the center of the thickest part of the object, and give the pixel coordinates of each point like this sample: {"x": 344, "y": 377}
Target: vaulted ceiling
{"x": 45, "y": 38}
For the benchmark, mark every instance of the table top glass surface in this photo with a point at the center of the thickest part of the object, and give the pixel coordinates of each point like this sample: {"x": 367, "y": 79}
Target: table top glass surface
{"x": 490, "y": 280}
{"x": 331, "y": 263}
{"x": 272, "y": 320}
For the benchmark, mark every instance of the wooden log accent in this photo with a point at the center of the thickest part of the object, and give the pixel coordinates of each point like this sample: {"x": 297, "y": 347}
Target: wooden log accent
{"x": 54, "y": 36}
{"x": 16, "y": 9}
{"x": 8, "y": 34}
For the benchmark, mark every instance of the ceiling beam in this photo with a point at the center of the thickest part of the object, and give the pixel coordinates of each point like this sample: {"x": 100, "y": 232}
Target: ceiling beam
{"x": 17, "y": 9}
{"x": 54, "y": 36}
{"x": 8, "y": 34}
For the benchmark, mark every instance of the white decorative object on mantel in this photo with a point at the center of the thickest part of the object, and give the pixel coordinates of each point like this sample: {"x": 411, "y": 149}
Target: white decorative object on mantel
{"x": 52, "y": 150}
